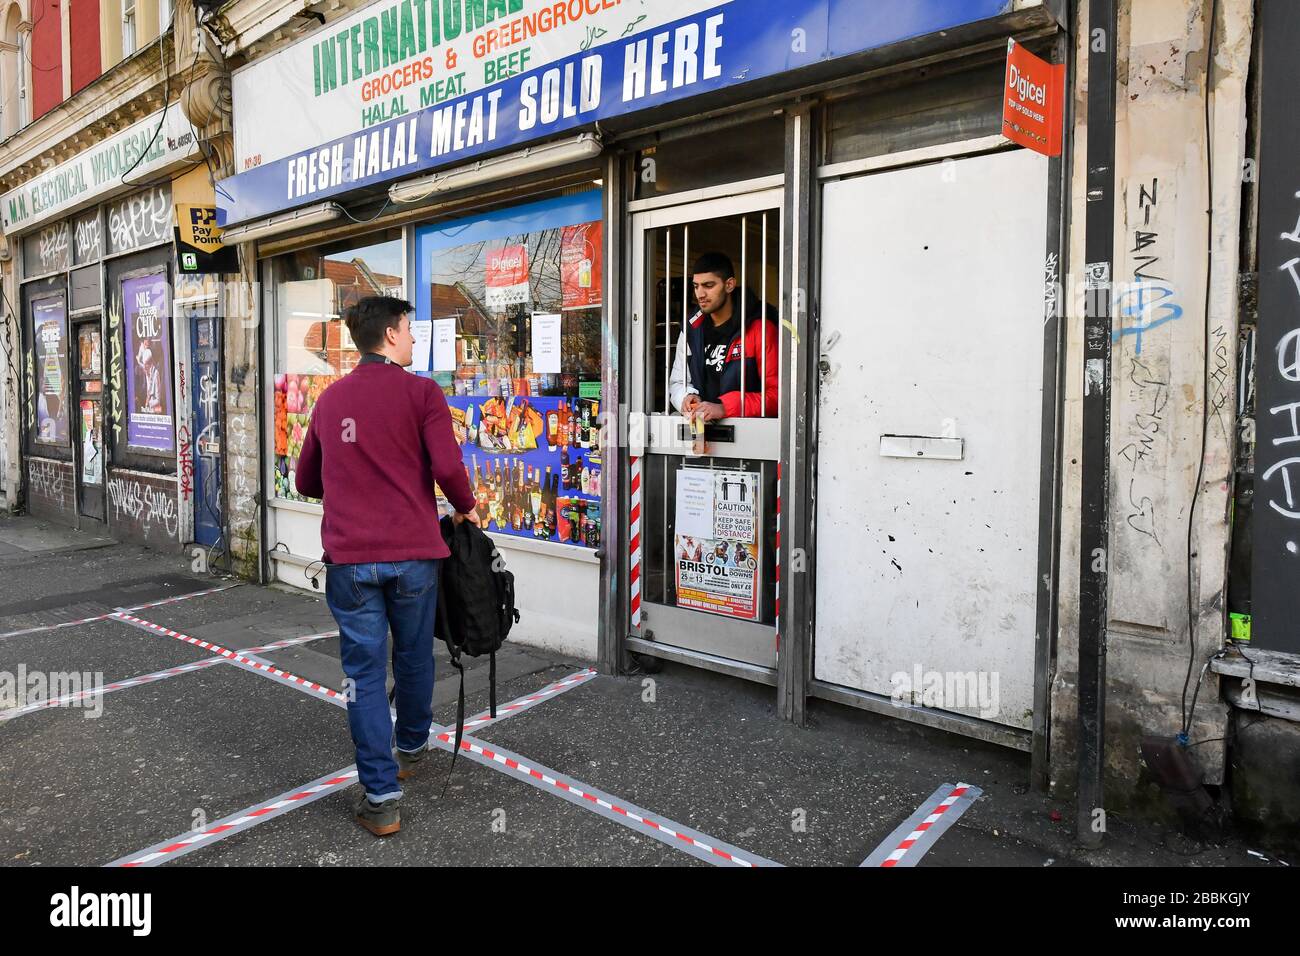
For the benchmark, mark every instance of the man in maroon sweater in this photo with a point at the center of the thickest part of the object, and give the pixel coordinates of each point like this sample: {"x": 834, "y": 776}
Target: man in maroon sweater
{"x": 378, "y": 441}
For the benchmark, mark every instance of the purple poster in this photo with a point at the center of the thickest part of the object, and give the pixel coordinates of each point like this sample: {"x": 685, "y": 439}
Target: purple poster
{"x": 149, "y": 384}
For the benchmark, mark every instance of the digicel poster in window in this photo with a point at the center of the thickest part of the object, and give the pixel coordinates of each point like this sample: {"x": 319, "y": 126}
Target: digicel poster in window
{"x": 507, "y": 277}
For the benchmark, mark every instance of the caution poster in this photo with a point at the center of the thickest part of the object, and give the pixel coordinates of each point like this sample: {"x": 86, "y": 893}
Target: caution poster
{"x": 716, "y": 543}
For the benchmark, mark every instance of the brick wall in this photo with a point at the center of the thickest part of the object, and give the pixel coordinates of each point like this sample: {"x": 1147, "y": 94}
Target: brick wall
{"x": 143, "y": 508}
{"x": 51, "y": 490}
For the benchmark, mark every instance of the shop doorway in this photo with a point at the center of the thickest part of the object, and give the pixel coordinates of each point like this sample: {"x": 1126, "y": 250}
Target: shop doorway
{"x": 205, "y": 339}
{"x": 703, "y": 521}
{"x": 88, "y": 428}
{"x": 929, "y": 448}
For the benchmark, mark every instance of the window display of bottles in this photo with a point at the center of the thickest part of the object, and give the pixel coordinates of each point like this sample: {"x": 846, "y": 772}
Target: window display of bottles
{"x": 544, "y": 484}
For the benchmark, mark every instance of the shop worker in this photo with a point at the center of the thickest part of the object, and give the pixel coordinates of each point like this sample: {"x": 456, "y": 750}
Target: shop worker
{"x": 378, "y": 441}
{"x": 712, "y": 349}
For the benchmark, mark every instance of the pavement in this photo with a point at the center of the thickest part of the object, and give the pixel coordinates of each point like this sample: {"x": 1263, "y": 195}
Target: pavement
{"x": 221, "y": 759}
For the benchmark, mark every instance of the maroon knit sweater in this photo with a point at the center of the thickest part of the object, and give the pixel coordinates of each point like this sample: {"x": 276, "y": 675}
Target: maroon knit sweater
{"x": 378, "y": 487}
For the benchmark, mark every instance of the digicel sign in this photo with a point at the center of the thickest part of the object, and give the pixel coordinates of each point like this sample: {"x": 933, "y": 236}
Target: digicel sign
{"x": 1032, "y": 101}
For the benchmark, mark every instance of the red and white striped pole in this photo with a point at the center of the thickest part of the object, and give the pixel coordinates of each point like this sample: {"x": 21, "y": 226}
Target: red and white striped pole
{"x": 634, "y": 544}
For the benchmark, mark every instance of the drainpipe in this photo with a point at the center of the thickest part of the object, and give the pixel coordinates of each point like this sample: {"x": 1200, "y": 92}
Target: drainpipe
{"x": 1099, "y": 255}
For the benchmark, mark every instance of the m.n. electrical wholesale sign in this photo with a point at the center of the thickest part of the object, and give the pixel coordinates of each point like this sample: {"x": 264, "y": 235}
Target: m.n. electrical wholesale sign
{"x": 112, "y": 166}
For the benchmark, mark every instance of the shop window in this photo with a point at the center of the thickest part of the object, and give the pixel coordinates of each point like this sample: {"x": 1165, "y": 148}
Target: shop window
{"x": 511, "y": 308}
{"x": 727, "y": 155}
{"x": 128, "y": 27}
{"x": 313, "y": 290}
{"x": 139, "y": 362}
{"x": 922, "y": 112}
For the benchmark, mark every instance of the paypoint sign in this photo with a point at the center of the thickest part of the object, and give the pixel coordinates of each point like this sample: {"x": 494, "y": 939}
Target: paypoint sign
{"x": 406, "y": 86}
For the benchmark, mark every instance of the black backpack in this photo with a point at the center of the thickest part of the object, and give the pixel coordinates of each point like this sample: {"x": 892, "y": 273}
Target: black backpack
{"x": 476, "y": 606}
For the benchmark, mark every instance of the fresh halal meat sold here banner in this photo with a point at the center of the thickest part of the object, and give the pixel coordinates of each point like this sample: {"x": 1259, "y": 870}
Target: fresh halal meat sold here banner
{"x": 405, "y": 86}
{"x": 148, "y": 385}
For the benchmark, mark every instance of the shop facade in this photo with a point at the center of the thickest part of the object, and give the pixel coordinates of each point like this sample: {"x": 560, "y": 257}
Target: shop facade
{"x": 552, "y": 283}
{"x": 116, "y": 326}
{"x": 893, "y": 524}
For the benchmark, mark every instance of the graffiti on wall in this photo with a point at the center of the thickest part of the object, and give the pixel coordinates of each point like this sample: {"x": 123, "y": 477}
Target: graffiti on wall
{"x": 140, "y": 220}
{"x": 45, "y": 479}
{"x": 1147, "y": 302}
{"x": 29, "y": 413}
{"x": 88, "y": 238}
{"x": 116, "y": 370}
{"x": 1282, "y": 477}
{"x": 52, "y": 248}
{"x": 146, "y": 506}
{"x": 185, "y": 458}
{"x": 242, "y": 448}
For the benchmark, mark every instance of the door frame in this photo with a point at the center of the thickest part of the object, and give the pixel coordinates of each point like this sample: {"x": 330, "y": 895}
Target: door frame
{"x": 800, "y": 355}
{"x": 1034, "y": 741}
{"x": 90, "y": 318}
{"x": 758, "y": 438}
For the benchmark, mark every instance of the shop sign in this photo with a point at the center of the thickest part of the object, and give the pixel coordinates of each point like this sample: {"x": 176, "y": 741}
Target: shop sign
{"x": 99, "y": 171}
{"x": 407, "y": 86}
{"x": 148, "y": 384}
{"x": 715, "y": 542}
{"x": 1032, "y": 100}
{"x": 199, "y": 249}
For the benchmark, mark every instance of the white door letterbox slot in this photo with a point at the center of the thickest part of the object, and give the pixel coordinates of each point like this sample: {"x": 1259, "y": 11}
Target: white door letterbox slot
{"x": 921, "y": 446}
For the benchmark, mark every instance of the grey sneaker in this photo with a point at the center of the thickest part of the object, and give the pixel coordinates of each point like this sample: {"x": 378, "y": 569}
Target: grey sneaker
{"x": 382, "y": 819}
{"x": 407, "y": 764}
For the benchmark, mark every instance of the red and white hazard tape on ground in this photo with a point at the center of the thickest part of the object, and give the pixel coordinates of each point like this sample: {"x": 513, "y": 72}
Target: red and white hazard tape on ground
{"x": 156, "y": 676}
{"x": 636, "y": 818}
{"x": 104, "y": 617}
{"x": 523, "y": 703}
{"x": 241, "y": 821}
{"x": 260, "y": 813}
{"x": 634, "y": 543}
{"x": 235, "y": 656}
{"x": 917, "y": 834}
{"x": 287, "y": 642}
{"x": 117, "y": 685}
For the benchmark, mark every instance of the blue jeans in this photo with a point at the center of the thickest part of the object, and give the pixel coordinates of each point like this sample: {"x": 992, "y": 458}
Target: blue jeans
{"x": 366, "y": 600}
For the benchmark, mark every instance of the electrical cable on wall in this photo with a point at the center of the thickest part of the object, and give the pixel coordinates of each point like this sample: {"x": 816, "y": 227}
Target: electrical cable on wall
{"x": 1188, "y": 714}
{"x": 162, "y": 35}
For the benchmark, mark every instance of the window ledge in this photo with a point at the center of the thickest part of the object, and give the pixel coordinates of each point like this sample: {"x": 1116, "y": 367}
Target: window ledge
{"x": 1262, "y": 666}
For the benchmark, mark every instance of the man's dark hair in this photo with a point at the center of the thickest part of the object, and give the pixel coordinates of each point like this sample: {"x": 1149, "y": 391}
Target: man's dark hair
{"x": 372, "y": 316}
{"x": 714, "y": 262}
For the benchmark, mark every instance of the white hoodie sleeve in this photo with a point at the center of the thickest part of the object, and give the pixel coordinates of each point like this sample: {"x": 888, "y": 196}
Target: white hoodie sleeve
{"x": 678, "y": 389}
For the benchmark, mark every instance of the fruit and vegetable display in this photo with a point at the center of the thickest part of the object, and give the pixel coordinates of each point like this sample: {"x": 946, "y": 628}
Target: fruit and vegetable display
{"x": 295, "y": 397}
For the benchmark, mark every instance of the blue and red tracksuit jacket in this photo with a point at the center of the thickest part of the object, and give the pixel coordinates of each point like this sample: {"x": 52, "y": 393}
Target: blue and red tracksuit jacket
{"x": 760, "y": 401}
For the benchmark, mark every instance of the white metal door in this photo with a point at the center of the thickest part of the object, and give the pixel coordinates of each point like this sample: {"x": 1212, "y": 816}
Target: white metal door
{"x": 928, "y": 441}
